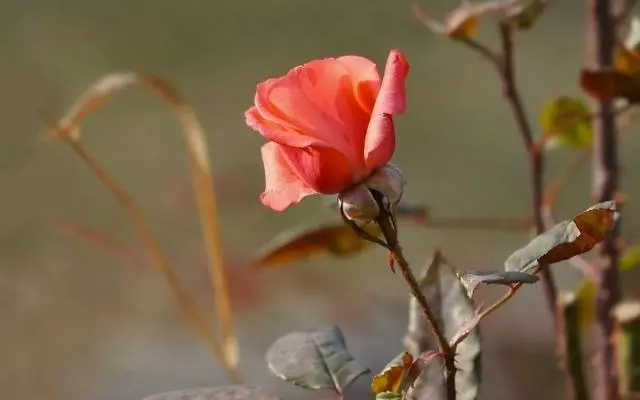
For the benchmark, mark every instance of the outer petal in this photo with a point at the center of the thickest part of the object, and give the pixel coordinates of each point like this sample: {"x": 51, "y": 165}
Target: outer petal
{"x": 276, "y": 128}
{"x": 283, "y": 187}
{"x": 317, "y": 105}
{"x": 381, "y": 141}
{"x": 391, "y": 100}
{"x": 325, "y": 170}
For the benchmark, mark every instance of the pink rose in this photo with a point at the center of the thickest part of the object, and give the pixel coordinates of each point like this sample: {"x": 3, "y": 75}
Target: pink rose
{"x": 329, "y": 125}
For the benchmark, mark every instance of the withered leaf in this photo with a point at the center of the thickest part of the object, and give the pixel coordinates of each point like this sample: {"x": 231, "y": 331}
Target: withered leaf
{"x": 68, "y": 130}
{"x": 525, "y": 14}
{"x": 472, "y": 279}
{"x": 627, "y": 60}
{"x": 299, "y": 244}
{"x": 237, "y": 392}
{"x": 391, "y": 377}
{"x": 314, "y": 359}
{"x": 608, "y": 84}
{"x": 461, "y": 23}
{"x": 566, "y": 239}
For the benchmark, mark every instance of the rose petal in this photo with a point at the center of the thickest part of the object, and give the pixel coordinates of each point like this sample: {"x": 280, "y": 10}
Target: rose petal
{"x": 282, "y": 186}
{"x": 391, "y": 100}
{"x": 270, "y": 128}
{"x": 366, "y": 80}
{"x": 380, "y": 142}
{"x": 316, "y": 103}
{"x": 325, "y": 170}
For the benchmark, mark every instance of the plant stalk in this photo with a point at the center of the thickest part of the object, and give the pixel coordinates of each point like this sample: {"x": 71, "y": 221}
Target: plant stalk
{"x": 601, "y": 40}
{"x": 386, "y": 221}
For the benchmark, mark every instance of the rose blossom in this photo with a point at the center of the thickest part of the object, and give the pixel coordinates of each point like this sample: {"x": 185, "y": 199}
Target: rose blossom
{"x": 329, "y": 125}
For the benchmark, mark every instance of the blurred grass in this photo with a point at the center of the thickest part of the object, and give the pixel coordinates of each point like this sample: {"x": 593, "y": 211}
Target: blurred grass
{"x": 80, "y": 324}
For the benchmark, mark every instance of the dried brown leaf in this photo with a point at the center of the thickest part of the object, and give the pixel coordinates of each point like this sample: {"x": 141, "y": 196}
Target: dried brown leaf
{"x": 566, "y": 239}
{"x": 300, "y": 244}
{"x": 68, "y": 129}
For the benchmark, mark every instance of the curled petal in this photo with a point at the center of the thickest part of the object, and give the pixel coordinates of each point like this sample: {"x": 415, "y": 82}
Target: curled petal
{"x": 325, "y": 170}
{"x": 358, "y": 205}
{"x": 381, "y": 141}
{"x": 283, "y": 187}
{"x": 391, "y": 100}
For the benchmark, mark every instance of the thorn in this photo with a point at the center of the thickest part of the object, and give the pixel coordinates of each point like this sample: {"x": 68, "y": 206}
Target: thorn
{"x": 392, "y": 262}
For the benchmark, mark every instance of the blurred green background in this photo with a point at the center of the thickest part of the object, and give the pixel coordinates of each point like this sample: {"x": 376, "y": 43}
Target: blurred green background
{"x": 78, "y": 323}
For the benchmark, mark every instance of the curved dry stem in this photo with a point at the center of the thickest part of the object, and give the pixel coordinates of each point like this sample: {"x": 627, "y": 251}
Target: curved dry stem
{"x": 68, "y": 129}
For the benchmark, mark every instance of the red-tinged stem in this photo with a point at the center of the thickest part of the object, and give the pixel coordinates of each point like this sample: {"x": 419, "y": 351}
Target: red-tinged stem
{"x": 601, "y": 38}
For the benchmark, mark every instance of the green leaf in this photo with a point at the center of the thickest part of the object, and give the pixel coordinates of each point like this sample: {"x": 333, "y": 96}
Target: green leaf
{"x": 567, "y": 122}
{"x": 472, "y": 279}
{"x": 314, "y": 359}
{"x": 237, "y": 392}
{"x": 448, "y": 299}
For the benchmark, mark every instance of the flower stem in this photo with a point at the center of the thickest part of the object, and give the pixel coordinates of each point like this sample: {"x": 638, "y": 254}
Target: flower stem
{"x": 387, "y": 224}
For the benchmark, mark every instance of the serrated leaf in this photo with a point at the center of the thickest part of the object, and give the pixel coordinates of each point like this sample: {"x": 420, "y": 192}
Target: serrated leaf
{"x": 566, "y": 239}
{"x": 237, "y": 392}
{"x": 525, "y": 14}
{"x": 472, "y": 279}
{"x": 300, "y": 244}
{"x": 315, "y": 359}
{"x": 586, "y": 292}
{"x": 567, "y": 121}
{"x": 447, "y": 297}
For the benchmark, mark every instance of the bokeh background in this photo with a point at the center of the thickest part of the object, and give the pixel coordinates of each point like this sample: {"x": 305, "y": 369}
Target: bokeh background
{"x": 77, "y": 323}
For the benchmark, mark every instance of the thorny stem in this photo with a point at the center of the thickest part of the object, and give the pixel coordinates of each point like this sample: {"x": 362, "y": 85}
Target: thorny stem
{"x": 386, "y": 221}
{"x": 601, "y": 44}
{"x": 505, "y": 66}
{"x": 535, "y": 157}
{"x": 387, "y": 225}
